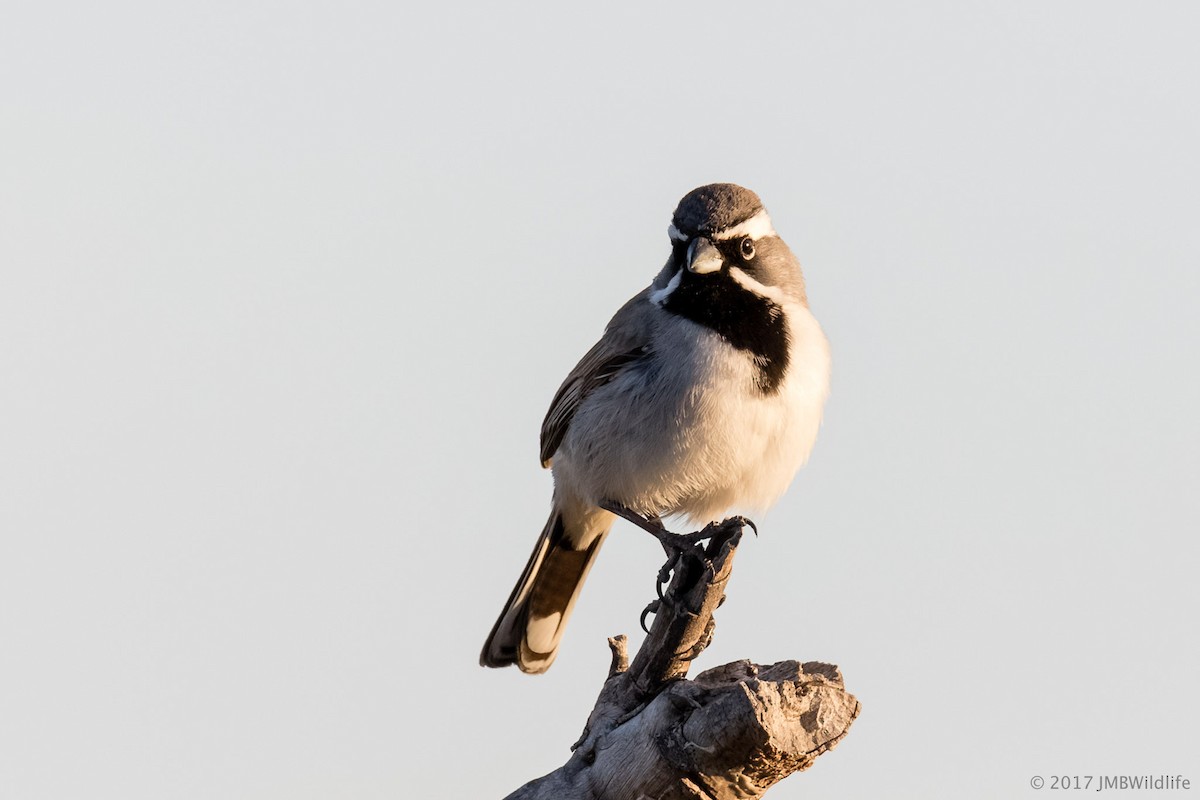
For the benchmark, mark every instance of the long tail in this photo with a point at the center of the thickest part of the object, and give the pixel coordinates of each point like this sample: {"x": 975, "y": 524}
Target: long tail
{"x": 531, "y": 626}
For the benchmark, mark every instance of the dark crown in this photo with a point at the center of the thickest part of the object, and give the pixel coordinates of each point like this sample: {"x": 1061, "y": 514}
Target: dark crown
{"x": 715, "y": 207}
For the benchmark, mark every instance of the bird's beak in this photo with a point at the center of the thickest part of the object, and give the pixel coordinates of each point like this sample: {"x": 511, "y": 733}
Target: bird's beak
{"x": 703, "y": 257}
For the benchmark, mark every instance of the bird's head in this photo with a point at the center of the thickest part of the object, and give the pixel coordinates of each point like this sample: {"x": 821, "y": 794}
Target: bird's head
{"x": 720, "y": 233}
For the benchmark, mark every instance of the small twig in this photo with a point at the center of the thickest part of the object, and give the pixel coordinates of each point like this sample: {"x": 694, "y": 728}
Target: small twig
{"x": 619, "y": 645}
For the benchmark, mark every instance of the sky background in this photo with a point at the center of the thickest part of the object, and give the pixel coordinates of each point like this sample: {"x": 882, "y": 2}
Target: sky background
{"x": 286, "y": 288}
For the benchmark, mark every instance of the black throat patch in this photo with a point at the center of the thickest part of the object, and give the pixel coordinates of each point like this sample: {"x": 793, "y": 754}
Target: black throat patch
{"x": 745, "y": 320}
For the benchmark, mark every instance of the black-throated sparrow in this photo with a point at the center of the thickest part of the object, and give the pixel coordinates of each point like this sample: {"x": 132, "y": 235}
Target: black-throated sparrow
{"x": 704, "y": 393}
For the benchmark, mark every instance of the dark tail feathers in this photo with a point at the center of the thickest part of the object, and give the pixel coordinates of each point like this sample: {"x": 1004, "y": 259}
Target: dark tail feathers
{"x": 531, "y": 626}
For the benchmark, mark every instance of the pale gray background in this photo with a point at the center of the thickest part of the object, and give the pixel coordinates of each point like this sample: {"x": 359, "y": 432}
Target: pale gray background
{"x": 287, "y": 288}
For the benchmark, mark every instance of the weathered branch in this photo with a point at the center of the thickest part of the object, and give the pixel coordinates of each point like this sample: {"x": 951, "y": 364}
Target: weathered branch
{"x": 732, "y": 732}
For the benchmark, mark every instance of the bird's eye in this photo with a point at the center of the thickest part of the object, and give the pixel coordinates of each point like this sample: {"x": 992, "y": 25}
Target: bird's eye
{"x": 747, "y": 248}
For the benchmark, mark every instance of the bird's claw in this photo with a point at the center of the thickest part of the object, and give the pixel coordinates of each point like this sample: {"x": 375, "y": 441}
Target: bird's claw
{"x": 651, "y": 608}
{"x": 677, "y": 546}
{"x": 664, "y": 577}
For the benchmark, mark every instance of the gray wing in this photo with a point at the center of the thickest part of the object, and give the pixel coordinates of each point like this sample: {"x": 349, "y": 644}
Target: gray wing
{"x": 625, "y": 341}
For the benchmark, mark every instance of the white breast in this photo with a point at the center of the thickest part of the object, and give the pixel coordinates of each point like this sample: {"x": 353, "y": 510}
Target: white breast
{"x": 691, "y": 433}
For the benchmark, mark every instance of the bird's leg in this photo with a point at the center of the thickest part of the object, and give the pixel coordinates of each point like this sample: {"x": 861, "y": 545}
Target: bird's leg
{"x": 678, "y": 547}
{"x": 672, "y": 543}
{"x": 651, "y": 525}
{"x": 675, "y": 543}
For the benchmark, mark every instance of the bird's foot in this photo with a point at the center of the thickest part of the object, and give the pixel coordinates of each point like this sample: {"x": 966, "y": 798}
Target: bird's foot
{"x": 651, "y": 609}
{"x": 675, "y": 543}
{"x": 677, "y": 546}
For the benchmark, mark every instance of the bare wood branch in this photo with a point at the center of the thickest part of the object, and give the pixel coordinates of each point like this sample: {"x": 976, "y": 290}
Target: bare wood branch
{"x": 732, "y": 732}
{"x": 619, "y": 645}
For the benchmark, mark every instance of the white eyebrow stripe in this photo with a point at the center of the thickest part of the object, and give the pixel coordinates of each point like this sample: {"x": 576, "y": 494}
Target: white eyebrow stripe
{"x": 676, "y": 234}
{"x": 772, "y": 293}
{"x": 756, "y": 228}
{"x": 659, "y": 296}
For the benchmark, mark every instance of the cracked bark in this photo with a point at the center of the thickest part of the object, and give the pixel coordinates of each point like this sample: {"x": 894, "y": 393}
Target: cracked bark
{"x": 731, "y": 732}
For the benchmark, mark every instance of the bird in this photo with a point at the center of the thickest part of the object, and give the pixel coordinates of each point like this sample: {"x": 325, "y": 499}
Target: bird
{"x": 704, "y": 393}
